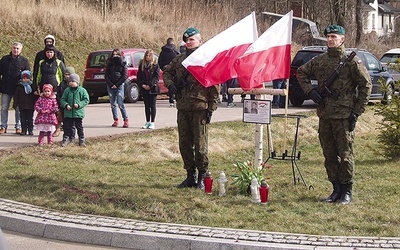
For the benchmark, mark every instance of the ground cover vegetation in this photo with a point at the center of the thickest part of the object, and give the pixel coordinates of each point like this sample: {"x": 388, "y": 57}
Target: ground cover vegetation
{"x": 132, "y": 176}
{"x": 116, "y": 177}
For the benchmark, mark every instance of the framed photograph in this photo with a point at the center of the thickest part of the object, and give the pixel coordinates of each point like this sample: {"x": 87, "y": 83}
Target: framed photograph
{"x": 257, "y": 111}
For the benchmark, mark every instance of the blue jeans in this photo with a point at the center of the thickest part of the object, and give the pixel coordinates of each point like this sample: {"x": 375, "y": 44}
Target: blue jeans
{"x": 277, "y": 100}
{"x": 117, "y": 98}
{"x": 5, "y": 105}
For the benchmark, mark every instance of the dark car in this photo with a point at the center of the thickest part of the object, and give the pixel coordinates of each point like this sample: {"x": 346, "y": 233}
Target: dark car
{"x": 374, "y": 67}
{"x": 94, "y": 79}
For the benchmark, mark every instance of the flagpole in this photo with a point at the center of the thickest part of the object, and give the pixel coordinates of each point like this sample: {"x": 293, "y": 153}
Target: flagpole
{"x": 286, "y": 111}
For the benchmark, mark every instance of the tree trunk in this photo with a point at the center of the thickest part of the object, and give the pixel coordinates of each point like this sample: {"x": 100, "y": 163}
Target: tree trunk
{"x": 359, "y": 25}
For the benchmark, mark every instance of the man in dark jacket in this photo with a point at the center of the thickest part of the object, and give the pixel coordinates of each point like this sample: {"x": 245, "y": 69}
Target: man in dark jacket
{"x": 41, "y": 55}
{"x": 11, "y": 67}
{"x": 168, "y": 52}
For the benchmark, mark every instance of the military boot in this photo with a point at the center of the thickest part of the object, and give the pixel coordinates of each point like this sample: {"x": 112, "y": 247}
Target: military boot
{"x": 346, "y": 196}
{"x": 200, "y": 179}
{"x": 335, "y": 195}
{"x": 190, "y": 180}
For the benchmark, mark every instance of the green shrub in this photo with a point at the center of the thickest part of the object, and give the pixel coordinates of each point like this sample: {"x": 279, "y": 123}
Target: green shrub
{"x": 389, "y": 136}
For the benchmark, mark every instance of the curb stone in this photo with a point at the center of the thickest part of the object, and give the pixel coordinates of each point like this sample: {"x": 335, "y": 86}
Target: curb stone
{"x": 135, "y": 234}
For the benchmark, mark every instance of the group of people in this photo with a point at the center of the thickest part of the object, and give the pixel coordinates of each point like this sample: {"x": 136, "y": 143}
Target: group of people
{"x": 52, "y": 90}
{"x": 195, "y": 104}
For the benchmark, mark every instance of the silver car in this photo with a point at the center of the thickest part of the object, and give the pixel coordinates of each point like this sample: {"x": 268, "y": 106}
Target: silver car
{"x": 391, "y": 57}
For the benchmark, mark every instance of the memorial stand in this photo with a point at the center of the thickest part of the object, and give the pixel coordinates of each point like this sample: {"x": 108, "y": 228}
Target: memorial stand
{"x": 294, "y": 155}
{"x": 265, "y": 118}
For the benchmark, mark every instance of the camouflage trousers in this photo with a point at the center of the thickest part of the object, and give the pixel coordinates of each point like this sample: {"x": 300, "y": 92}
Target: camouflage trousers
{"x": 337, "y": 146}
{"x": 193, "y": 139}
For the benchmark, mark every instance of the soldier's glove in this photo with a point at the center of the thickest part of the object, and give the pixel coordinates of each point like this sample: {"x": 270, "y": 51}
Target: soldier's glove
{"x": 172, "y": 89}
{"x": 315, "y": 96}
{"x": 352, "y": 121}
{"x": 208, "y": 116}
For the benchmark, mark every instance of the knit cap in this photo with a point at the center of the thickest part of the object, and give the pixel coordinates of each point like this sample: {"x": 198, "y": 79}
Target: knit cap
{"x": 70, "y": 70}
{"x": 48, "y": 86}
{"x": 27, "y": 74}
{"x": 74, "y": 78}
{"x": 49, "y": 47}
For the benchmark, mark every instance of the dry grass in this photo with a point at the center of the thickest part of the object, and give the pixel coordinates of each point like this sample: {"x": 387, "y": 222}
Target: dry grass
{"x": 145, "y": 23}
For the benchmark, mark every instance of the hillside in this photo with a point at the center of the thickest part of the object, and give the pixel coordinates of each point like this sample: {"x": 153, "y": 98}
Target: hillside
{"x": 79, "y": 28}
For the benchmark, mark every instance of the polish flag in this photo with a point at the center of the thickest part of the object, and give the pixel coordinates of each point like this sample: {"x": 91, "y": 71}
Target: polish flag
{"x": 268, "y": 58}
{"x": 212, "y": 63}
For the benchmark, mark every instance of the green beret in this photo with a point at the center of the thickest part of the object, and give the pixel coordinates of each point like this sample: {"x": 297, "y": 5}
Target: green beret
{"x": 190, "y": 32}
{"x": 335, "y": 29}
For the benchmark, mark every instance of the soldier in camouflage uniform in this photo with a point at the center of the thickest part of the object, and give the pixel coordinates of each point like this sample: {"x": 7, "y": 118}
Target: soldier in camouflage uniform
{"x": 337, "y": 118}
{"x": 195, "y": 104}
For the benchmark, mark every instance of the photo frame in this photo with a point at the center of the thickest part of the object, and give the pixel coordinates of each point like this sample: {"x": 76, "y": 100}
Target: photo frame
{"x": 257, "y": 111}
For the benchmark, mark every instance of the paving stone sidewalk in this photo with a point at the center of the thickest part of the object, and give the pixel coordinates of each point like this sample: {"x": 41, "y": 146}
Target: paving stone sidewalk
{"x": 136, "y": 234}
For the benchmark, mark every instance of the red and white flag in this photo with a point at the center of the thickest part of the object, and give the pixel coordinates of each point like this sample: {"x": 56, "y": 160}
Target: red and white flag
{"x": 212, "y": 63}
{"x": 268, "y": 58}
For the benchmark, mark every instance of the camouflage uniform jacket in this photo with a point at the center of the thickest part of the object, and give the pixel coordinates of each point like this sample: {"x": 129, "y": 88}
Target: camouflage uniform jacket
{"x": 352, "y": 78}
{"x": 194, "y": 96}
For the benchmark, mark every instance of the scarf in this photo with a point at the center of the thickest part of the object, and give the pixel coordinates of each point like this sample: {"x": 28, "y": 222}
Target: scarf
{"x": 27, "y": 87}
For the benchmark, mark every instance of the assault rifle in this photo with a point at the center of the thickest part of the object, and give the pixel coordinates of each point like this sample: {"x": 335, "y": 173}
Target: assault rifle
{"x": 182, "y": 83}
{"x": 324, "y": 89}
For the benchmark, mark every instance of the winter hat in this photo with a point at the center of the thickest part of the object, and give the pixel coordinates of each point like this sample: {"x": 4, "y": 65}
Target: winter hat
{"x": 27, "y": 74}
{"x": 50, "y": 37}
{"x": 49, "y": 47}
{"x": 48, "y": 86}
{"x": 70, "y": 70}
{"x": 74, "y": 78}
{"x": 190, "y": 32}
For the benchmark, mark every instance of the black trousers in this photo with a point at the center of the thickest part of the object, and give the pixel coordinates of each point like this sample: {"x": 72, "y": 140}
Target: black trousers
{"x": 69, "y": 132}
{"x": 26, "y": 120}
{"x": 150, "y": 107}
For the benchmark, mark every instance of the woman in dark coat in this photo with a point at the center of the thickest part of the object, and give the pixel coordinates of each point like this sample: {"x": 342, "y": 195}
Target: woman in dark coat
{"x": 147, "y": 77}
{"x": 116, "y": 75}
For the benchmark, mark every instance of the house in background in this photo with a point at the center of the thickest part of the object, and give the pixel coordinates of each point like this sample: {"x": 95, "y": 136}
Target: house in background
{"x": 380, "y": 17}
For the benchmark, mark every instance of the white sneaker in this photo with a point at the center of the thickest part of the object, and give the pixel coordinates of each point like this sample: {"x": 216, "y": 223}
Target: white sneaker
{"x": 151, "y": 125}
{"x": 172, "y": 105}
{"x": 146, "y": 125}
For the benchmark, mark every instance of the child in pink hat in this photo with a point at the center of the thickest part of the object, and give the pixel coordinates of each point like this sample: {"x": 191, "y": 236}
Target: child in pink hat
{"x": 46, "y": 120}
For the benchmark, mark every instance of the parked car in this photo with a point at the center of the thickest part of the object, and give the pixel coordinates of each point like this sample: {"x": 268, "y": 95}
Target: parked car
{"x": 94, "y": 78}
{"x": 390, "y": 57}
{"x": 374, "y": 67}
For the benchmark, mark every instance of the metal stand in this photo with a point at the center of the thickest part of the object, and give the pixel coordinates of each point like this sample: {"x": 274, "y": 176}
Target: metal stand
{"x": 294, "y": 156}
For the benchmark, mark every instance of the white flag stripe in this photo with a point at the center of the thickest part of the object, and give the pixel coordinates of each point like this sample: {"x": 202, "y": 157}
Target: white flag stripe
{"x": 224, "y": 41}
{"x": 275, "y": 36}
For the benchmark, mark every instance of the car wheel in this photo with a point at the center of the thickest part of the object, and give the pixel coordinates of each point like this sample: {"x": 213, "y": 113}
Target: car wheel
{"x": 387, "y": 98}
{"x": 93, "y": 99}
{"x": 132, "y": 92}
{"x": 296, "y": 100}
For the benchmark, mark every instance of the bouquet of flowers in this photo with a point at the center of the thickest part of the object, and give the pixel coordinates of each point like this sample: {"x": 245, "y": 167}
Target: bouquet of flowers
{"x": 246, "y": 173}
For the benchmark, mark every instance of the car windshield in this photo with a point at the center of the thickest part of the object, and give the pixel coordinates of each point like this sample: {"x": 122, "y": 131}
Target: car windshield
{"x": 390, "y": 58}
{"x": 304, "y": 56}
{"x": 98, "y": 59}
